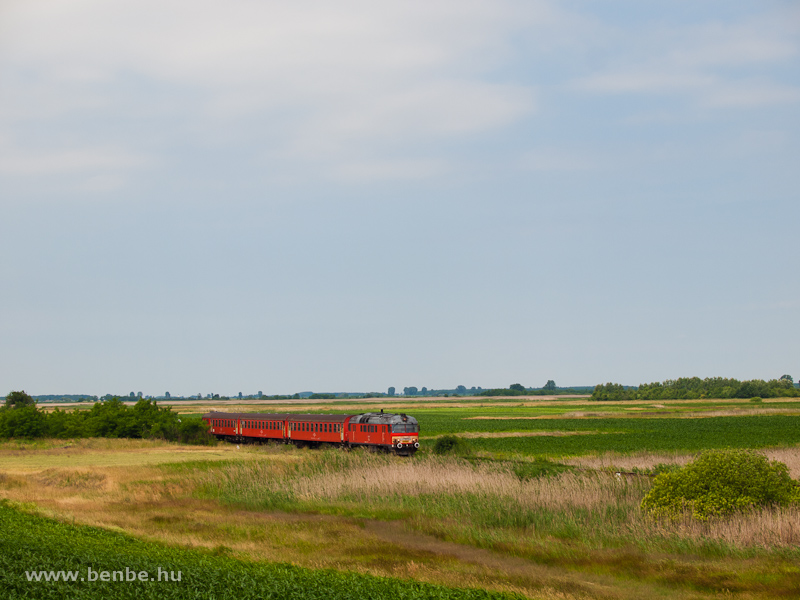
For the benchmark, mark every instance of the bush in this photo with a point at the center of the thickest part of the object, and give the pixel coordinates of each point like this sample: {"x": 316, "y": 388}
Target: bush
{"x": 452, "y": 444}
{"x": 755, "y": 400}
{"x": 720, "y": 482}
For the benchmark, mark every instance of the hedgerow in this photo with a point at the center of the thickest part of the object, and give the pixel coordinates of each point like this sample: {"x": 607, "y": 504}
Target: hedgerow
{"x": 21, "y": 418}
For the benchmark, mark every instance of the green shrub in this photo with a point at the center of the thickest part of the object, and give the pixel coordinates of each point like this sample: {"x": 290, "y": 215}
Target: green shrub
{"x": 720, "y": 482}
{"x": 452, "y": 444}
{"x": 755, "y": 400}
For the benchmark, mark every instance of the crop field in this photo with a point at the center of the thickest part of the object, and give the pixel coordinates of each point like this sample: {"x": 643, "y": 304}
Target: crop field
{"x": 614, "y": 434}
{"x": 37, "y": 544}
{"x": 537, "y": 509}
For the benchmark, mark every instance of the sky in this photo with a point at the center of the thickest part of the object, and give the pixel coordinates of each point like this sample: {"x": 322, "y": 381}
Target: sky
{"x": 215, "y": 197}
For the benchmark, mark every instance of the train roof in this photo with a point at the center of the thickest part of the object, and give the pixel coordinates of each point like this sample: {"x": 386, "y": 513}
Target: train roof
{"x": 385, "y": 418}
{"x": 278, "y": 417}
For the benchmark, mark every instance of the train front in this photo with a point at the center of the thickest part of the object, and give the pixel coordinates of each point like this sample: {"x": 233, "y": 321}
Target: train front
{"x": 404, "y": 434}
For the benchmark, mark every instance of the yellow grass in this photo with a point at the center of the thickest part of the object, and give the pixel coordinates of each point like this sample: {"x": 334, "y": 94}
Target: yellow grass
{"x": 648, "y": 460}
{"x": 20, "y": 457}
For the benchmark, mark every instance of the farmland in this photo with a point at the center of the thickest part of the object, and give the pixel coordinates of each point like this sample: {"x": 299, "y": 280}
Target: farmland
{"x": 537, "y": 509}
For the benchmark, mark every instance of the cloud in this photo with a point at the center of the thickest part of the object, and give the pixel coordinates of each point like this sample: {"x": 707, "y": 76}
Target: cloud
{"x": 312, "y": 80}
{"x": 717, "y": 65}
{"x": 367, "y": 171}
{"x": 17, "y": 161}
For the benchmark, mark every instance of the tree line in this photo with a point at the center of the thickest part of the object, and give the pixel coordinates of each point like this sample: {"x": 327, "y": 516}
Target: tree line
{"x": 20, "y": 417}
{"x": 690, "y": 388}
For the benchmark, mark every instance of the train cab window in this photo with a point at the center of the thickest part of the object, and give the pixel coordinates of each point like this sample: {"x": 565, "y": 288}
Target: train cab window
{"x": 405, "y": 428}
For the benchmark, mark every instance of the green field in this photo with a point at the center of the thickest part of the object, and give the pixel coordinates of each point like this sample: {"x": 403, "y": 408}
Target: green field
{"x": 610, "y": 434}
{"x": 33, "y": 543}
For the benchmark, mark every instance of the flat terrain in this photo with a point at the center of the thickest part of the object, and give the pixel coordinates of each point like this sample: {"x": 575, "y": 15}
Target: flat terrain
{"x": 546, "y": 506}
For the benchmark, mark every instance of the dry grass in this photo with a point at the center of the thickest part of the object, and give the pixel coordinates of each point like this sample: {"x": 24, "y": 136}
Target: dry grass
{"x": 767, "y": 528}
{"x": 25, "y": 457}
{"x": 366, "y": 481}
{"x": 371, "y": 481}
{"x": 643, "y": 461}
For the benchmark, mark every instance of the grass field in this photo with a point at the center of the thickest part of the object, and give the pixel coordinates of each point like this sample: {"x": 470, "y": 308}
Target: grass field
{"x": 510, "y": 519}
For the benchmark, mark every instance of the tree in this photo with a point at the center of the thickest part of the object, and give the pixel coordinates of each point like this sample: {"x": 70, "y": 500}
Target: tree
{"x": 391, "y": 391}
{"x": 550, "y": 386}
{"x": 461, "y": 390}
{"x": 517, "y": 386}
{"x": 787, "y": 378}
{"x": 19, "y": 399}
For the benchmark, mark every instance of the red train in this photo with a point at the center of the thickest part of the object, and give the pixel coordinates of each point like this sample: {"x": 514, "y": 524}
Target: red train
{"x": 377, "y": 431}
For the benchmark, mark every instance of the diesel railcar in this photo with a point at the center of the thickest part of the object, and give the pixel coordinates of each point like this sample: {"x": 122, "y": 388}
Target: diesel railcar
{"x": 396, "y": 433}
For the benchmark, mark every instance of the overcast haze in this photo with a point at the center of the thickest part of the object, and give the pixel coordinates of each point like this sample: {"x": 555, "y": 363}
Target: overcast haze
{"x": 233, "y": 196}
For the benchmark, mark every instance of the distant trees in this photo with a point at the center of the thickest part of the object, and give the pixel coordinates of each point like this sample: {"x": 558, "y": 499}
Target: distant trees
{"x": 19, "y": 399}
{"x": 391, "y": 391}
{"x": 461, "y": 389}
{"x": 105, "y": 419}
{"x": 688, "y": 388}
{"x": 612, "y": 391}
{"x": 787, "y": 378}
{"x": 517, "y": 386}
{"x": 410, "y": 391}
{"x": 550, "y": 386}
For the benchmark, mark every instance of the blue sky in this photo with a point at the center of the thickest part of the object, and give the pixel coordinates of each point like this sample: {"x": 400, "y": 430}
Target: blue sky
{"x": 219, "y": 197}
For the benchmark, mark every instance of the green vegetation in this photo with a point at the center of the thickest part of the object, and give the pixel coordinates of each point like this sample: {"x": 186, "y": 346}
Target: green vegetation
{"x": 721, "y": 482}
{"x": 694, "y": 388}
{"x": 21, "y": 418}
{"x": 580, "y": 436}
{"x": 451, "y": 444}
{"x": 35, "y": 544}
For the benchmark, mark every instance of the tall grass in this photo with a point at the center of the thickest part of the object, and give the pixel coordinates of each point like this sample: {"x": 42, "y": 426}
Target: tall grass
{"x": 489, "y": 505}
